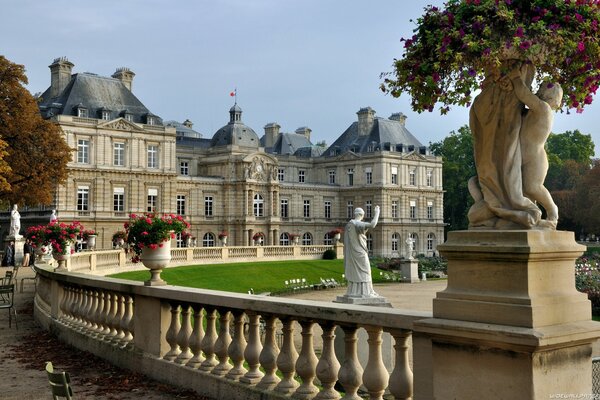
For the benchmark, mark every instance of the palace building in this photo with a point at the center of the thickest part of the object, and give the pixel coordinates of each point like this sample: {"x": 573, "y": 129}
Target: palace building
{"x": 128, "y": 160}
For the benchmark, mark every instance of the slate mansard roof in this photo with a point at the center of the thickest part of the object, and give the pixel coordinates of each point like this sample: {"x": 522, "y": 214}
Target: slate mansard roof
{"x": 95, "y": 93}
{"x": 295, "y": 144}
{"x": 235, "y": 132}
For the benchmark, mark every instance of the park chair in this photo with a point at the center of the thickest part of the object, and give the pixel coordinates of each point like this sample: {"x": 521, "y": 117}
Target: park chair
{"x": 7, "y": 300}
{"x": 60, "y": 383}
{"x": 8, "y": 277}
{"x": 29, "y": 277}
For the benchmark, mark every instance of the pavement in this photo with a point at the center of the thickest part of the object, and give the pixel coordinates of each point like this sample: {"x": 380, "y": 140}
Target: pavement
{"x": 24, "y": 351}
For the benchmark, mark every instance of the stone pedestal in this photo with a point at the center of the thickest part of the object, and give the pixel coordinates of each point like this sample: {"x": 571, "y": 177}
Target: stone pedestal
{"x": 363, "y": 301}
{"x": 510, "y": 323}
{"x": 409, "y": 270}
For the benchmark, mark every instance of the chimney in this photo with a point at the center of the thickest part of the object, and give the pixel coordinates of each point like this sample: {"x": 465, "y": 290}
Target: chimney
{"x": 60, "y": 75}
{"x": 271, "y": 133}
{"x": 305, "y": 131}
{"x": 366, "y": 117}
{"x": 398, "y": 117}
{"x": 125, "y": 75}
{"x": 188, "y": 124}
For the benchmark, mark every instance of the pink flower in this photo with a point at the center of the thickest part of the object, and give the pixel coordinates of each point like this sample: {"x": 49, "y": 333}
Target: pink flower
{"x": 581, "y": 47}
{"x": 153, "y": 246}
{"x": 144, "y": 233}
{"x": 519, "y": 32}
{"x": 148, "y": 220}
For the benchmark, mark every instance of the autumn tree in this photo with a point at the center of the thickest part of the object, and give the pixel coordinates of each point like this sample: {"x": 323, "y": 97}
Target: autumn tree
{"x": 587, "y": 200}
{"x": 36, "y": 154}
{"x": 456, "y": 151}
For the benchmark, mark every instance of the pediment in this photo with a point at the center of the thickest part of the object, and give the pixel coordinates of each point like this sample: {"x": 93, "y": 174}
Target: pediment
{"x": 348, "y": 156}
{"x": 121, "y": 124}
{"x": 413, "y": 156}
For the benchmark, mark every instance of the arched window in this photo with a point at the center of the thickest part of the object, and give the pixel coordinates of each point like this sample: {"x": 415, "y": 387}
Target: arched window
{"x": 306, "y": 239}
{"x": 328, "y": 239}
{"x": 369, "y": 243}
{"x": 395, "y": 241}
{"x": 259, "y": 206}
{"x": 284, "y": 239}
{"x": 208, "y": 240}
{"x": 430, "y": 242}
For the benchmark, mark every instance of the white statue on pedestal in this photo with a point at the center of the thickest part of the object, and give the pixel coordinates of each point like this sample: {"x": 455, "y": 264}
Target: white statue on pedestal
{"x": 411, "y": 247}
{"x": 15, "y": 223}
{"x": 53, "y": 216}
{"x": 357, "y": 267}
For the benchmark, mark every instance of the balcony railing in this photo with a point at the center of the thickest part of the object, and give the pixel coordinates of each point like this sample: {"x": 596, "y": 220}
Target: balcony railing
{"x": 216, "y": 342}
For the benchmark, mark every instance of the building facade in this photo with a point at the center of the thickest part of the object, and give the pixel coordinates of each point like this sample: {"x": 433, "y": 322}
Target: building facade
{"x": 128, "y": 160}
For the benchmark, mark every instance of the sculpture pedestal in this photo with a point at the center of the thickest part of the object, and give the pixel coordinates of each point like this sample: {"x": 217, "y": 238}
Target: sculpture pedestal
{"x": 409, "y": 269}
{"x": 363, "y": 301}
{"x": 510, "y": 323}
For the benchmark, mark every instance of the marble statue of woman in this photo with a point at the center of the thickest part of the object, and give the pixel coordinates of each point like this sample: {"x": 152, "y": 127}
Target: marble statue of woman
{"x": 53, "y": 216}
{"x": 15, "y": 222}
{"x": 356, "y": 255}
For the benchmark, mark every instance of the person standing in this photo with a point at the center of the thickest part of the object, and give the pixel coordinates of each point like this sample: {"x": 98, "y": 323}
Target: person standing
{"x": 9, "y": 255}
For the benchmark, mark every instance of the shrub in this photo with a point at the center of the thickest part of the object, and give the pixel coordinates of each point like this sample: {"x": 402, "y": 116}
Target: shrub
{"x": 329, "y": 254}
{"x": 587, "y": 279}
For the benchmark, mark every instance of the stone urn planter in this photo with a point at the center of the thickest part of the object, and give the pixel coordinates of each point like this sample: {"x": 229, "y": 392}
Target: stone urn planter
{"x": 41, "y": 251}
{"x": 91, "y": 242}
{"x": 62, "y": 258}
{"x": 224, "y": 241}
{"x": 337, "y": 237}
{"x": 156, "y": 260}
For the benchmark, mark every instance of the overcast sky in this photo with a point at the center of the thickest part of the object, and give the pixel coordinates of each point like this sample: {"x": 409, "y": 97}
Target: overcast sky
{"x": 299, "y": 63}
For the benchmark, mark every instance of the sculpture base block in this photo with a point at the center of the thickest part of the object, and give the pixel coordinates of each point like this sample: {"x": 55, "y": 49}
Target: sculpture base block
{"x": 363, "y": 301}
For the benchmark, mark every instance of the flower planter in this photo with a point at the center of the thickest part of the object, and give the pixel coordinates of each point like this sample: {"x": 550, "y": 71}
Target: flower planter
{"x": 91, "y": 242}
{"x": 155, "y": 260}
{"x": 224, "y": 241}
{"x": 62, "y": 258}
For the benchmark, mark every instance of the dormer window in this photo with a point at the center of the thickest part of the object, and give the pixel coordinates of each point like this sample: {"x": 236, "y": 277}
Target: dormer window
{"x": 105, "y": 115}
{"x": 151, "y": 121}
{"x": 129, "y": 117}
{"x": 81, "y": 111}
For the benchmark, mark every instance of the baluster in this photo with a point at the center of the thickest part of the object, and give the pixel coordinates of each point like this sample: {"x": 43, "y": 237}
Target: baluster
{"x": 306, "y": 364}
{"x": 375, "y": 377}
{"x": 111, "y": 318}
{"x": 268, "y": 356}
{"x": 286, "y": 362}
{"x": 73, "y": 308}
{"x": 253, "y": 350}
{"x": 66, "y": 302}
{"x": 172, "y": 332}
{"x": 196, "y": 339}
{"x": 99, "y": 314}
{"x": 106, "y": 316}
{"x": 350, "y": 375}
{"x": 92, "y": 325}
{"x": 87, "y": 323}
{"x": 401, "y": 379}
{"x": 222, "y": 345}
{"x": 127, "y": 322}
{"x": 237, "y": 347}
{"x": 183, "y": 338}
{"x": 328, "y": 366}
{"x": 81, "y": 307}
{"x": 120, "y": 334}
{"x": 208, "y": 342}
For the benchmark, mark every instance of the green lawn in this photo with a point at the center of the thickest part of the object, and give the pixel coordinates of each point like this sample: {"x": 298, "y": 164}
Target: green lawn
{"x": 240, "y": 277}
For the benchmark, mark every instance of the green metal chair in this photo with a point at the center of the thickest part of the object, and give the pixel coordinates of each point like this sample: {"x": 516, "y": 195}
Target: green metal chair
{"x": 7, "y": 301}
{"x": 30, "y": 278}
{"x": 60, "y": 383}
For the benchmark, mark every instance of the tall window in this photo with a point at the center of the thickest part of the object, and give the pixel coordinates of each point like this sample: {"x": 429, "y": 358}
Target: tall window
{"x": 429, "y": 209}
{"x": 119, "y": 199}
{"x": 430, "y": 241}
{"x": 332, "y": 177}
{"x": 306, "y": 210}
{"x": 280, "y": 174}
{"x": 413, "y": 209}
{"x": 394, "y": 208}
{"x": 208, "y": 240}
{"x": 152, "y": 200}
{"x": 208, "y": 206}
{"x": 369, "y": 209}
{"x": 350, "y": 176}
{"x": 284, "y": 208}
{"x": 350, "y": 209}
{"x": 394, "y": 175}
{"x": 395, "y": 241}
{"x": 368, "y": 175}
{"x": 184, "y": 168}
{"x": 301, "y": 176}
{"x": 152, "y": 156}
{"x": 83, "y": 151}
{"x": 369, "y": 243}
{"x": 327, "y": 209}
{"x": 306, "y": 239}
{"x": 284, "y": 239}
{"x": 327, "y": 239}
{"x": 83, "y": 198}
{"x": 180, "y": 204}
{"x": 412, "y": 177}
{"x": 258, "y": 206}
{"x": 119, "y": 154}
{"x": 429, "y": 178}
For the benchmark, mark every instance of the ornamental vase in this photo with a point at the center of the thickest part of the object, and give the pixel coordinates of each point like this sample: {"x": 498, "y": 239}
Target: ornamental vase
{"x": 337, "y": 237}
{"x": 224, "y": 241}
{"x": 62, "y": 258}
{"x": 91, "y": 242}
{"x": 155, "y": 260}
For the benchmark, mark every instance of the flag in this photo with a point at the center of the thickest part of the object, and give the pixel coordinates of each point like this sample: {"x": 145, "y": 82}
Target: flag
{"x": 232, "y": 94}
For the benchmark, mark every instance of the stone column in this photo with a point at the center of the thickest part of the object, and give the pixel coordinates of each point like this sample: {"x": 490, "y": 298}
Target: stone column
{"x": 510, "y": 323}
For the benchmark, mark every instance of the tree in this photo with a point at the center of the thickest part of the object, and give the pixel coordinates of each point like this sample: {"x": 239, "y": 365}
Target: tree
{"x": 588, "y": 206}
{"x": 571, "y": 145}
{"x": 456, "y": 151}
{"x": 36, "y": 152}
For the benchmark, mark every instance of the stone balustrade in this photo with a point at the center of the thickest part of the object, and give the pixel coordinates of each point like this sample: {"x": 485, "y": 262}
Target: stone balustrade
{"x": 105, "y": 262}
{"x": 229, "y": 345}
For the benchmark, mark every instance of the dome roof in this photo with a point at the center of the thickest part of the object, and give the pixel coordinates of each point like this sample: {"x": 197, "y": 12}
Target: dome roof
{"x": 235, "y": 132}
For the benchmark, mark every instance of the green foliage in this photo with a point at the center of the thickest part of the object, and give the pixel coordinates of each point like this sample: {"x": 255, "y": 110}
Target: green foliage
{"x": 587, "y": 279}
{"x": 240, "y": 277}
{"x": 571, "y": 145}
{"x": 456, "y": 151}
{"x": 432, "y": 264}
{"x": 329, "y": 254}
{"x": 587, "y": 201}
{"x": 453, "y": 48}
